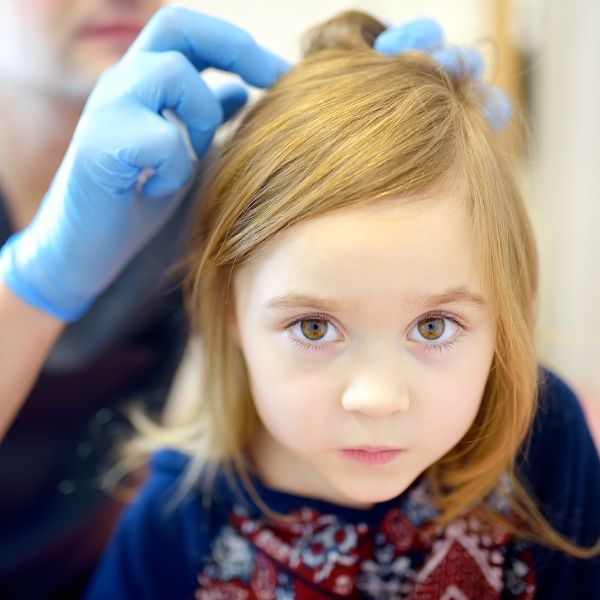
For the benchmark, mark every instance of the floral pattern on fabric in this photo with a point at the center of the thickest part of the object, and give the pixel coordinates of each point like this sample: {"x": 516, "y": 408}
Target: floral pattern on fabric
{"x": 320, "y": 555}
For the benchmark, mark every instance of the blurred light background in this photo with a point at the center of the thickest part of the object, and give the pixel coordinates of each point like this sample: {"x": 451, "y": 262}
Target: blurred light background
{"x": 545, "y": 54}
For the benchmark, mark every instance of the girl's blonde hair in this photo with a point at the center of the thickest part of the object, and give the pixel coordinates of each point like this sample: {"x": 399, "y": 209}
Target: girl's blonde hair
{"x": 345, "y": 127}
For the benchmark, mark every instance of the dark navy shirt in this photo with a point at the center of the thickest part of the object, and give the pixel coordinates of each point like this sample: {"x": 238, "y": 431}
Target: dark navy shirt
{"x": 226, "y": 548}
{"x": 54, "y": 517}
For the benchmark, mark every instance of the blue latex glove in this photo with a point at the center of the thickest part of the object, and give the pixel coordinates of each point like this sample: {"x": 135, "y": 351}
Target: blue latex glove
{"x": 426, "y": 35}
{"x": 93, "y": 221}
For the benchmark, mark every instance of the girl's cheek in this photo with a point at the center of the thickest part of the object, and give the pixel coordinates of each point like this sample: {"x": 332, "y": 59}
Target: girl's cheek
{"x": 450, "y": 422}
{"x": 295, "y": 401}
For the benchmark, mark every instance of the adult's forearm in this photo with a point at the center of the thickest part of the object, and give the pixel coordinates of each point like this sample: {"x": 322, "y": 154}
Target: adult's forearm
{"x": 26, "y": 336}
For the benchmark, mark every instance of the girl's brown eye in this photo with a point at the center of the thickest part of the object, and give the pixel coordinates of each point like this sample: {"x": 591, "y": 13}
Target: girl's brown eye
{"x": 315, "y": 330}
{"x": 431, "y": 329}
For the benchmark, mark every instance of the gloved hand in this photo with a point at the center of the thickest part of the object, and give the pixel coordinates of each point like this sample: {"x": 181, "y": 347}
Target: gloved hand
{"x": 427, "y": 35}
{"x": 93, "y": 221}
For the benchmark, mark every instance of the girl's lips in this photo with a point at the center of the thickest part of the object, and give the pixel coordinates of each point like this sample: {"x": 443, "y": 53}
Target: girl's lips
{"x": 372, "y": 455}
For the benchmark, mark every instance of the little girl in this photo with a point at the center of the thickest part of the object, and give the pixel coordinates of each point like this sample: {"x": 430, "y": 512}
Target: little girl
{"x": 373, "y": 421}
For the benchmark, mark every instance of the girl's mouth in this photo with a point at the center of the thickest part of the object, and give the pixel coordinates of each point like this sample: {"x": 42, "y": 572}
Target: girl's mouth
{"x": 372, "y": 455}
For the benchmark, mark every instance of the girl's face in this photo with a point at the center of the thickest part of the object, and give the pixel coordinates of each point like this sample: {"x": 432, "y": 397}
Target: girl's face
{"x": 364, "y": 328}
{"x": 61, "y": 46}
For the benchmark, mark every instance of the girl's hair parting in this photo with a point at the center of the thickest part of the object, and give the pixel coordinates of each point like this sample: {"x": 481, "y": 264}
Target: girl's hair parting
{"x": 346, "y": 127}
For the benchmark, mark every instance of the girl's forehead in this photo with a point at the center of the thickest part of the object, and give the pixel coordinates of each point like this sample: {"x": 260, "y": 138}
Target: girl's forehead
{"x": 400, "y": 248}
{"x": 381, "y": 223}
{"x": 379, "y": 233}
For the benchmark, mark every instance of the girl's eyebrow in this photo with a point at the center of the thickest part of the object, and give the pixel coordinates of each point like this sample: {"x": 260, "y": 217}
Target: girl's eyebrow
{"x": 457, "y": 294}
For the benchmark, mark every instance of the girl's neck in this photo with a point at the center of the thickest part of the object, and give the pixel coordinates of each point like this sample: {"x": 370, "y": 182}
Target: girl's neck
{"x": 34, "y": 137}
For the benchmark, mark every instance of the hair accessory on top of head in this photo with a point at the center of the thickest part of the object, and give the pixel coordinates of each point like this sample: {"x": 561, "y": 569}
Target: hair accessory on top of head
{"x": 425, "y": 34}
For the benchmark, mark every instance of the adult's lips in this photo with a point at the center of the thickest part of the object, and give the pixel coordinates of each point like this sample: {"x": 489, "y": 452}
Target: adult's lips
{"x": 116, "y": 30}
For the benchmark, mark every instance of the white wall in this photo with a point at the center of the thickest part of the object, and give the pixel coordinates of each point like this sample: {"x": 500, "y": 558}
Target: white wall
{"x": 566, "y": 186}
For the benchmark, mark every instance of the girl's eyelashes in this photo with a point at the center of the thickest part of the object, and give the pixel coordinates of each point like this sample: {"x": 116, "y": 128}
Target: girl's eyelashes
{"x": 431, "y": 326}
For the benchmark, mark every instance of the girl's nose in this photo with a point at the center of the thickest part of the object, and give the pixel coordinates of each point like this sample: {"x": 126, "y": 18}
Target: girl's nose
{"x": 375, "y": 396}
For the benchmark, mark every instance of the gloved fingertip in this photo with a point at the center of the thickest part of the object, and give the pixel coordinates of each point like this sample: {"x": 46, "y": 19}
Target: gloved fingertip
{"x": 232, "y": 97}
{"x": 460, "y": 61}
{"x": 423, "y": 33}
{"x": 448, "y": 58}
{"x": 277, "y": 67}
{"x": 158, "y": 187}
{"x": 497, "y": 108}
{"x": 473, "y": 62}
